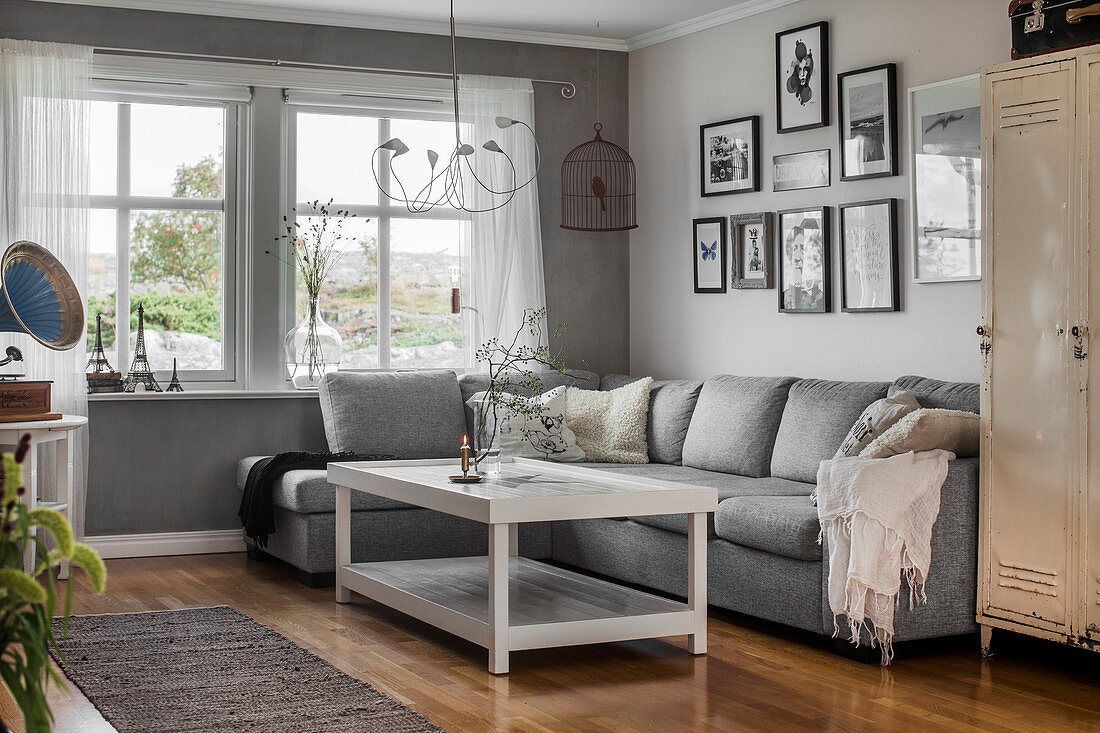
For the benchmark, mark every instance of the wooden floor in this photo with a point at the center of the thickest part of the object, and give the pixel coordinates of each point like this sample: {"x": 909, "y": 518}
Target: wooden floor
{"x": 757, "y": 678}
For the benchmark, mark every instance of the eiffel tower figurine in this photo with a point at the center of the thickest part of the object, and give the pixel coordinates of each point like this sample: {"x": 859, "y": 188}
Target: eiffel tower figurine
{"x": 174, "y": 385}
{"x": 140, "y": 371}
{"x": 98, "y": 363}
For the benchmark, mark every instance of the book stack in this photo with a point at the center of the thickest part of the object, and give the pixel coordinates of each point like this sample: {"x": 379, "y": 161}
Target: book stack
{"x": 99, "y": 382}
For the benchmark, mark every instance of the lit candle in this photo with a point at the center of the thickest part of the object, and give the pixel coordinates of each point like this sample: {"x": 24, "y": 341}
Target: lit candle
{"x": 465, "y": 456}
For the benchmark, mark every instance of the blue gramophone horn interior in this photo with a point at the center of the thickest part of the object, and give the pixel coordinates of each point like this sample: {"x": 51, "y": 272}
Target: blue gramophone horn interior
{"x": 35, "y": 298}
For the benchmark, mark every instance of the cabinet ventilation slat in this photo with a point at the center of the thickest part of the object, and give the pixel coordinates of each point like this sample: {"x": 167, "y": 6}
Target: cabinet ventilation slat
{"x": 1024, "y": 104}
{"x": 1029, "y": 580}
{"x": 1031, "y": 112}
{"x": 1038, "y": 571}
{"x": 1025, "y": 124}
{"x": 1037, "y": 591}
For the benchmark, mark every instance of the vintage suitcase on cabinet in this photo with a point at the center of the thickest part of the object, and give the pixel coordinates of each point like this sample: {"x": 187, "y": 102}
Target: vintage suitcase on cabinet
{"x": 1042, "y": 26}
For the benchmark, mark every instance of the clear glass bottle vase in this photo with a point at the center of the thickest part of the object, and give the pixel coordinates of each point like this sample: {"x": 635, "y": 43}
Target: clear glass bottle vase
{"x": 486, "y": 441}
{"x": 313, "y": 349}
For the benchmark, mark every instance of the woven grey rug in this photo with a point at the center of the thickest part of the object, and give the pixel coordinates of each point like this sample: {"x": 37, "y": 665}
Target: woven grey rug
{"x": 214, "y": 669}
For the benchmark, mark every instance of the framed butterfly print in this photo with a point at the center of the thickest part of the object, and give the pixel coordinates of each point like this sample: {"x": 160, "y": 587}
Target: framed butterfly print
{"x": 750, "y": 240}
{"x": 708, "y": 252}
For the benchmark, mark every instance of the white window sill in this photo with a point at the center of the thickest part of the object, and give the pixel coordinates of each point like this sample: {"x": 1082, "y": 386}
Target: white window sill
{"x": 208, "y": 394}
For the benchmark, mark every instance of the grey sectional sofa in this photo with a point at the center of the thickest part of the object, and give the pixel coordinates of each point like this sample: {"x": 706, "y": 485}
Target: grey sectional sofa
{"x": 758, "y": 440}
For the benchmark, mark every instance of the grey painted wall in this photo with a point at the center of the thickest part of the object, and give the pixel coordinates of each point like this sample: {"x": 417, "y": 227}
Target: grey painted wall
{"x": 169, "y": 466}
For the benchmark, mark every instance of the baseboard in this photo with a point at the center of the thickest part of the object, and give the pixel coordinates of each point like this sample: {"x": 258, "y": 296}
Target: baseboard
{"x": 167, "y": 543}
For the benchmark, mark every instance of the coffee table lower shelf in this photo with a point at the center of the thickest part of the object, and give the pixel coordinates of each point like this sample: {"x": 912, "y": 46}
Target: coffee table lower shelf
{"x": 547, "y": 606}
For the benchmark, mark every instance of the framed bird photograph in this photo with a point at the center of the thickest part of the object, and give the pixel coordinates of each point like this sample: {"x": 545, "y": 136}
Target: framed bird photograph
{"x": 729, "y": 157}
{"x": 708, "y": 252}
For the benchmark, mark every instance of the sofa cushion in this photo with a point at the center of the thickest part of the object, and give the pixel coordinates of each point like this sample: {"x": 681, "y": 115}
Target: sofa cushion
{"x": 671, "y": 404}
{"x": 734, "y": 424}
{"x": 727, "y": 485}
{"x": 403, "y": 414}
{"x": 817, "y": 416}
{"x": 611, "y": 426}
{"x": 472, "y": 383}
{"x": 782, "y": 525}
{"x": 309, "y": 492}
{"x": 940, "y": 395}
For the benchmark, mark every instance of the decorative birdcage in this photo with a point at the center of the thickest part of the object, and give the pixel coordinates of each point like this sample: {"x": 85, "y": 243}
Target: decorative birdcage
{"x": 598, "y": 192}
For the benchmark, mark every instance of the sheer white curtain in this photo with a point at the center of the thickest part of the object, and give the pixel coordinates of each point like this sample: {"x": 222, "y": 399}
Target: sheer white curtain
{"x": 44, "y": 177}
{"x": 502, "y": 273}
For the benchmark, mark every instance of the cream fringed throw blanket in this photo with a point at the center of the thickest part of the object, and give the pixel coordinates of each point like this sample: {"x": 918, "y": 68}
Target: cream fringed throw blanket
{"x": 877, "y": 515}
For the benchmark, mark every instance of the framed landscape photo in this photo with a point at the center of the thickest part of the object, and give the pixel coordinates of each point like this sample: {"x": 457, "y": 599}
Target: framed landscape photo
{"x": 794, "y": 171}
{"x": 750, "y": 237}
{"x": 945, "y": 137}
{"x": 708, "y": 253}
{"x": 805, "y": 281}
{"x": 868, "y": 121}
{"x": 729, "y": 157}
{"x": 802, "y": 78}
{"x": 869, "y": 256}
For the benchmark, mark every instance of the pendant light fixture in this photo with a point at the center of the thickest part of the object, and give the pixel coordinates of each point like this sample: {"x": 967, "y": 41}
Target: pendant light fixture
{"x": 451, "y": 184}
{"x": 598, "y": 186}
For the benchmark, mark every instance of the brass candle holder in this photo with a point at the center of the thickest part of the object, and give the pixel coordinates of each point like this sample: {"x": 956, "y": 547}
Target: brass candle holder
{"x": 465, "y": 478}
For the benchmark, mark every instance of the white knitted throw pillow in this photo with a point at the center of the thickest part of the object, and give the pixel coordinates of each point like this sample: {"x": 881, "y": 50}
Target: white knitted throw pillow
{"x": 927, "y": 429}
{"x": 611, "y": 426}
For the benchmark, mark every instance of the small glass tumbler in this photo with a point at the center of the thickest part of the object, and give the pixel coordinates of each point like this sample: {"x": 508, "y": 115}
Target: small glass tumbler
{"x": 490, "y": 463}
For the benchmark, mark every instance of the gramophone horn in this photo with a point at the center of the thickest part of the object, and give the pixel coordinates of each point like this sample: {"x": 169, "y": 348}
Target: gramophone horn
{"x": 40, "y": 299}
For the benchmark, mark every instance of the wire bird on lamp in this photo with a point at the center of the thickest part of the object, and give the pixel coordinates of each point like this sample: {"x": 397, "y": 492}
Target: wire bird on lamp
{"x": 449, "y": 184}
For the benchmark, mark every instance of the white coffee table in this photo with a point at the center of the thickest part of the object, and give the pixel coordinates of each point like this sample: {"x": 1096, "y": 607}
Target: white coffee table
{"x": 506, "y": 602}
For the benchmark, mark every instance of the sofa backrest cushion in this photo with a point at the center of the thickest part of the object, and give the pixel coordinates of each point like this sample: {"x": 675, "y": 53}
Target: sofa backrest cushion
{"x": 403, "y": 414}
{"x": 938, "y": 395}
{"x": 816, "y": 418}
{"x": 734, "y": 424}
{"x": 671, "y": 404}
{"x": 475, "y": 382}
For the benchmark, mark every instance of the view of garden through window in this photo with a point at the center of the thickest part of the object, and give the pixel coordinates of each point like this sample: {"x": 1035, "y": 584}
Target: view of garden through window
{"x": 158, "y": 174}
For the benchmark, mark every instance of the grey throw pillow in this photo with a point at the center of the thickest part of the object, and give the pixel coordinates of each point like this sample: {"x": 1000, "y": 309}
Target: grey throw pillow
{"x": 880, "y": 416}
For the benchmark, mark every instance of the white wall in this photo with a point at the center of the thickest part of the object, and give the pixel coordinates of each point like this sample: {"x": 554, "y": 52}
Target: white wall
{"x": 727, "y": 72}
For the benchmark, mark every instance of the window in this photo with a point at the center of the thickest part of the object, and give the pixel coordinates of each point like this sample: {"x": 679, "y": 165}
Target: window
{"x": 162, "y": 233}
{"x": 390, "y": 296}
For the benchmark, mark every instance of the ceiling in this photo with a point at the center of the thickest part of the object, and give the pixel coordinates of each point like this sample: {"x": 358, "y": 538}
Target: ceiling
{"x": 624, "y": 24}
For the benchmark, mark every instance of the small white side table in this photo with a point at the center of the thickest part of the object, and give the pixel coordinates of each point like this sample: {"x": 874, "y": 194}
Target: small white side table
{"x": 41, "y": 432}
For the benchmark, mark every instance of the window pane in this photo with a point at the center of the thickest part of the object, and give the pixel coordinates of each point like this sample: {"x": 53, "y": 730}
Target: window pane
{"x": 104, "y": 148}
{"x": 176, "y": 150}
{"x": 334, "y": 158}
{"x": 103, "y": 281}
{"x": 349, "y": 297}
{"x": 424, "y": 262}
{"x": 413, "y": 168}
{"x": 176, "y": 272}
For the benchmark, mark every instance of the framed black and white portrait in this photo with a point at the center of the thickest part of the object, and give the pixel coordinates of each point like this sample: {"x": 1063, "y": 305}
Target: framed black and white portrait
{"x": 729, "y": 158}
{"x": 802, "y": 78}
{"x": 869, "y": 256}
{"x": 794, "y": 171}
{"x": 750, "y": 237}
{"x": 868, "y": 122}
{"x": 708, "y": 253}
{"x": 945, "y": 134}
{"x": 805, "y": 281}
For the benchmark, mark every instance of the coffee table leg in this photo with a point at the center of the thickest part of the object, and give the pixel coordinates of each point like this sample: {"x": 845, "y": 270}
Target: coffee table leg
{"x": 343, "y": 541}
{"x": 697, "y": 580}
{"x": 498, "y": 597}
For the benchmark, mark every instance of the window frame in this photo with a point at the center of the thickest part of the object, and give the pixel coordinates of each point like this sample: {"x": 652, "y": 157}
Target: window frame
{"x": 232, "y": 205}
{"x": 382, "y": 213}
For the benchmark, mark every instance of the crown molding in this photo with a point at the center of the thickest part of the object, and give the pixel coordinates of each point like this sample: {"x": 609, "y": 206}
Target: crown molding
{"x": 232, "y": 9}
{"x": 741, "y": 11}
{"x": 355, "y": 20}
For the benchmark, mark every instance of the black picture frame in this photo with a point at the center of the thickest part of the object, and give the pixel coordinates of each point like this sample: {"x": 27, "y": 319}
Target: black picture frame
{"x": 823, "y": 216}
{"x": 739, "y": 280}
{"x": 707, "y": 187}
{"x": 890, "y": 279}
{"x": 785, "y": 67}
{"x": 823, "y": 157}
{"x": 699, "y": 257}
{"x": 889, "y": 80}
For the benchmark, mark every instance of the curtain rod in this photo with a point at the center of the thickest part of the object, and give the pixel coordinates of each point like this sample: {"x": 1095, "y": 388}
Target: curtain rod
{"x": 568, "y": 88}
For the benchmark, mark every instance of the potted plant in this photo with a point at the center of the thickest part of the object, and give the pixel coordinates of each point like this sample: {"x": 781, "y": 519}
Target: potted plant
{"x": 313, "y": 348}
{"x": 28, "y": 601}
